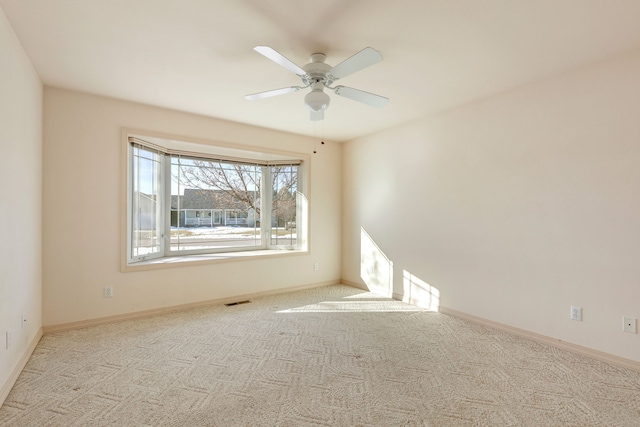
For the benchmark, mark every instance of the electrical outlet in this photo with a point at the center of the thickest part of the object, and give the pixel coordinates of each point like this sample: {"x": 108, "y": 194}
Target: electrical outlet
{"x": 108, "y": 291}
{"x": 8, "y": 340}
{"x": 315, "y": 266}
{"x": 630, "y": 325}
{"x": 576, "y": 313}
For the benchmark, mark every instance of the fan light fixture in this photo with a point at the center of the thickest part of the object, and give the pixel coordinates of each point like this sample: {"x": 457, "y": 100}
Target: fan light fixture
{"x": 317, "y": 100}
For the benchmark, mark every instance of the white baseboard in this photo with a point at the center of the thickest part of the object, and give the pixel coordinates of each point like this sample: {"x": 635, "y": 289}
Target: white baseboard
{"x": 146, "y": 313}
{"x": 595, "y": 354}
{"x": 564, "y": 345}
{"x": 585, "y": 351}
{"x": 355, "y": 285}
{"x": 8, "y": 385}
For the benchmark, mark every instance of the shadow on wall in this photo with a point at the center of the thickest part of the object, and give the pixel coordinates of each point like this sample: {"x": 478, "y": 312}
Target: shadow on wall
{"x": 376, "y": 271}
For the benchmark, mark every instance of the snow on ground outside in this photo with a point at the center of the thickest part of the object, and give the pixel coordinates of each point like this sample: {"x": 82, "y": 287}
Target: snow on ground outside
{"x": 220, "y": 232}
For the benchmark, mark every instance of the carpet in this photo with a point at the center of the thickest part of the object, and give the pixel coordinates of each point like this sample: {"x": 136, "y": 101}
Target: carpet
{"x": 329, "y": 356}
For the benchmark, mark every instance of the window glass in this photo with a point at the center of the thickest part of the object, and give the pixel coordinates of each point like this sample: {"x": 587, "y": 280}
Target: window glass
{"x": 214, "y": 204}
{"x": 284, "y": 208}
{"x": 146, "y": 209}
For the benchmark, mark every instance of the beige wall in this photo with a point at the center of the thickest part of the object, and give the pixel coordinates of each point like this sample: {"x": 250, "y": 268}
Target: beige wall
{"x": 82, "y": 212}
{"x": 20, "y": 201}
{"x": 514, "y": 207}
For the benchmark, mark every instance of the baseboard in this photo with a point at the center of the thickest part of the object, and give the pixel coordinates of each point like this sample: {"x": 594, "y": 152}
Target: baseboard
{"x": 595, "y": 354}
{"x": 354, "y": 285}
{"x": 564, "y": 345}
{"x": 13, "y": 377}
{"x": 585, "y": 351}
{"x": 163, "y": 310}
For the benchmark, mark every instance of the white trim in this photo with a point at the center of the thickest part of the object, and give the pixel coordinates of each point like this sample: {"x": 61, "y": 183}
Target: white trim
{"x": 355, "y": 285}
{"x": 189, "y": 260}
{"x": 159, "y": 215}
{"x": 183, "y": 148}
{"x": 15, "y": 373}
{"x": 153, "y": 312}
{"x": 564, "y": 345}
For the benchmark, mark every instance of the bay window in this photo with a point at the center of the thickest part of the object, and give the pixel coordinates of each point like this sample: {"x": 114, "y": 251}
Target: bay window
{"x": 210, "y": 200}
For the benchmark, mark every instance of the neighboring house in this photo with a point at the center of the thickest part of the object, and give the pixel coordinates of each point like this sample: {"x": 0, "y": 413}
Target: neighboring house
{"x": 208, "y": 208}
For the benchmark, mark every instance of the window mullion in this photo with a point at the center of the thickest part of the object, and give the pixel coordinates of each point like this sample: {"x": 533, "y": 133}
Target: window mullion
{"x": 135, "y": 214}
{"x": 166, "y": 205}
{"x": 265, "y": 208}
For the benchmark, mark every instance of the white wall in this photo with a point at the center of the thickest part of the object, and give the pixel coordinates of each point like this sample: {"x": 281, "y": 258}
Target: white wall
{"x": 82, "y": 212}
{"x": 20, "y": 200}
{"x": 514, "y": 207}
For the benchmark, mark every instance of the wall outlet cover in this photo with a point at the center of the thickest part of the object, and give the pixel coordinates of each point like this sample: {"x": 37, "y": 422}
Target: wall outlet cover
{"x": 630, "y": 325}
{"x": 576, "y": 313}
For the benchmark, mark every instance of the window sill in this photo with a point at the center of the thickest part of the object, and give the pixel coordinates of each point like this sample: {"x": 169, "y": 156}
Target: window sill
{"x": 190, "y": 260}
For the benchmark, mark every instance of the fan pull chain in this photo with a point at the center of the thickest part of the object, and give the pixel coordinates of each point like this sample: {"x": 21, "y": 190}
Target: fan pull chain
{"x": 315, "y": 136}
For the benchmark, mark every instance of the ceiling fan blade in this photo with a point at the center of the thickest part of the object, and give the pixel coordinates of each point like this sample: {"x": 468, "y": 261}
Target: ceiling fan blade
{"x": 279, "y": 59}
{"x": 371, "y": 99}
{"x": 270, "y": 93}
{"x": 363, "y": 59}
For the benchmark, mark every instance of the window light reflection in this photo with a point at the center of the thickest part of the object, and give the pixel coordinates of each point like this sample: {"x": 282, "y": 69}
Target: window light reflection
{"x": 419, "y": 293}
{"x": 365, "y": 302}
{"x": 376, "y": 269}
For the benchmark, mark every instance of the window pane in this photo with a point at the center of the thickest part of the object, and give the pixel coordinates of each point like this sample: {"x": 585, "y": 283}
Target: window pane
{"x": 214, "y": 205}
{"x": 146, "y": 210}
{"x": 284, "y": 208}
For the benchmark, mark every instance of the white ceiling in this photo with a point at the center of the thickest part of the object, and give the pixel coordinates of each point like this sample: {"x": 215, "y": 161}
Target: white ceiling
{"x": 197, "y": 56}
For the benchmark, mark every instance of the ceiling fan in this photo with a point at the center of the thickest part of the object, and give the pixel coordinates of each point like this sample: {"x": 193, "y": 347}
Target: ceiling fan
{"x": 317, "y": 75}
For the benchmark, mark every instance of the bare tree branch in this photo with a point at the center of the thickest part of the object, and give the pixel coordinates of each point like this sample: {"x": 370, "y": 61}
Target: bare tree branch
{"x": 241, "y": 184}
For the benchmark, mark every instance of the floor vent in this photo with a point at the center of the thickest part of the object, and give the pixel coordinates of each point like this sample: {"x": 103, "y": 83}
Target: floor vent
{"x": 237, "y": 303}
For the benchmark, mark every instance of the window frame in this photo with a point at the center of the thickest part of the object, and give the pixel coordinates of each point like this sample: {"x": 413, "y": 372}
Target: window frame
{"x": 169, "y": 146}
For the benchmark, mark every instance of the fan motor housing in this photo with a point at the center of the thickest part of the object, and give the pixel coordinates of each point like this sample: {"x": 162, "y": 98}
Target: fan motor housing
{"x": 317, "y": 71}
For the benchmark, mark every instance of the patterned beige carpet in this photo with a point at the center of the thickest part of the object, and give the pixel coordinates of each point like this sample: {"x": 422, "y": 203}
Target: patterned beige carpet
{"x": 332, "y": 356}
